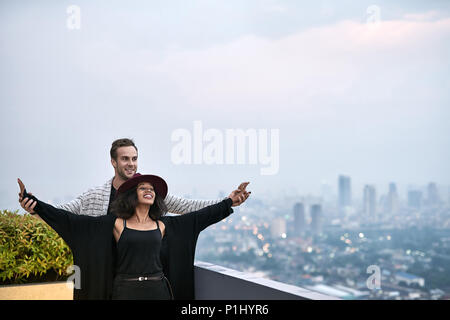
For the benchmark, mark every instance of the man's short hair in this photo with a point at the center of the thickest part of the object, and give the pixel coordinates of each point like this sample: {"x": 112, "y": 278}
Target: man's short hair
{"x": 125, "y": 142}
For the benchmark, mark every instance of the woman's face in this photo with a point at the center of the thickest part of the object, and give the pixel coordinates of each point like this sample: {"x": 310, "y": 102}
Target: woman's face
{"x": 145, "y": 193}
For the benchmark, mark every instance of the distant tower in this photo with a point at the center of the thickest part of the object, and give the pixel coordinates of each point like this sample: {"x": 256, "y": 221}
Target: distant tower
{"x": 345, "y": 192}
{"x": 433, "y": 194}
{"x": 299, "y": 218}
{"x": 316, "y": 218}
{"x": 392, "y": 201}
{"x": 278, "y": 228}
{"x": 415, "y": 199}
{"x": 448, "y": 196}
{"x": 326, "y": 191}
{"x": 370, "y": 201}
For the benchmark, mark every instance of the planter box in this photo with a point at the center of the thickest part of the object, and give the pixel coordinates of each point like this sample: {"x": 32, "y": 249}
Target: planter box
{"x": 37, "y": 291}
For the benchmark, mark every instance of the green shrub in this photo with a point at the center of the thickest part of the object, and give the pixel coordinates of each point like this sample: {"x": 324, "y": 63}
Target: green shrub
{"x": 30, "y": 251}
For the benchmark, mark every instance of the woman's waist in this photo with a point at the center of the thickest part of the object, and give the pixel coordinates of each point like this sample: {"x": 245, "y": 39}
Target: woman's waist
{"x": 138, "y": 264}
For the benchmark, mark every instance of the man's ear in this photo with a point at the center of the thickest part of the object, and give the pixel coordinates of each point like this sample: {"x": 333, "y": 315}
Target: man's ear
{"x": 114, "y": 163}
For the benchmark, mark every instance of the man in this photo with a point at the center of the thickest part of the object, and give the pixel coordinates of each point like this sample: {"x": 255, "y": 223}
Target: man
{"x": 124, "y": 156}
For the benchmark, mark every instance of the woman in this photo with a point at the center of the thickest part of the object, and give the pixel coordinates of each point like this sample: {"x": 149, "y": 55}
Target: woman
{"x": 138, "y": 234}
{"x": 118, "y": 254}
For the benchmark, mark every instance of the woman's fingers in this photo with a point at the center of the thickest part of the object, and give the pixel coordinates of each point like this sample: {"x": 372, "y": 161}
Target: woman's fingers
{"x": 20, "y": 196}
{"x": 240, "y": 195}
{"x": 28, "y": 205}
{"x": 21, "y": 186}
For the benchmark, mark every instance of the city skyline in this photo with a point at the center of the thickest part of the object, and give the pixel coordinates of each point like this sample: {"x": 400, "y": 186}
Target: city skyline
{"x": 328, "y": 195}
{"x": 406, "y": 242}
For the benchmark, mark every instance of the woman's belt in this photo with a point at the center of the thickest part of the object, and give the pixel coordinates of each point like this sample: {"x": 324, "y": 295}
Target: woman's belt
{"x": 152, "y": 277}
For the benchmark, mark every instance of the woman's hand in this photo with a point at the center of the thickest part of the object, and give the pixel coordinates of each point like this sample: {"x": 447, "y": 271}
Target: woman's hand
{"x": 27, "y": 204}
{"x": 239, "y": 195}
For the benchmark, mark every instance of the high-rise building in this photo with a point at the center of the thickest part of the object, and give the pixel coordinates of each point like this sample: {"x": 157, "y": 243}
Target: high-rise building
{"x": 370, "y": 201}
{"x": 326, "y": 191}
{"x": 433, "y": 194}
{"x": 392, "y": 200}
{"x": 316, "y": 218}
{"x": 448, "y": 196}
{"x": 299, "y": 218}
{"x": 278, "y": 228}
{"x": 415, "y": 199}
{"x": 345, "y": 192}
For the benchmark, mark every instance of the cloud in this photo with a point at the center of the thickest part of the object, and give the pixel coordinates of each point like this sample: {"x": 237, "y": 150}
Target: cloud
{"x": 342, "y": 61}
{"x": 424, "y": 16}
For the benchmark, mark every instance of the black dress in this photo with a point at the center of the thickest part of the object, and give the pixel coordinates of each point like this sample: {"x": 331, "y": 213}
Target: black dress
{"x": 94, "y": 247}
{"x": 139, "y": 272}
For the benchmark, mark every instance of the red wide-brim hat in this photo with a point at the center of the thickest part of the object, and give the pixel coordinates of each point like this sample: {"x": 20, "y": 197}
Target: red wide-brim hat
{"x": 158, "y": 183}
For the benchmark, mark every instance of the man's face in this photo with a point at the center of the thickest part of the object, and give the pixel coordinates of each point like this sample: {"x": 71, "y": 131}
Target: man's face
{"x": 125, "y": 165}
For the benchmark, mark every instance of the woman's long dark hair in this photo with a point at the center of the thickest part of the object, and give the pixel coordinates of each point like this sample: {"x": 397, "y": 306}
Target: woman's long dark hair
{"x": 125, "y": 203}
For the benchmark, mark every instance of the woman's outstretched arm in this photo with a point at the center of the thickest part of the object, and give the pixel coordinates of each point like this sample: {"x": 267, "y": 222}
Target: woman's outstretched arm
{"x": 215, "y": 213}
{"x": 181, "y": 205}
{"x": 201, "y": 219}
{"x": 65, "y": 223}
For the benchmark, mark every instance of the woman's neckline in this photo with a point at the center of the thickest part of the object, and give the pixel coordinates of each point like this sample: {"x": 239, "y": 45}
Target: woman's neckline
{"x": 126, "y": 226}
{"x": 141, "y": 230}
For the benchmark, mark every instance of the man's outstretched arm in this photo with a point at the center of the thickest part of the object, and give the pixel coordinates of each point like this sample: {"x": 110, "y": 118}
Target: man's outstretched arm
{"x": 180, "y": 205}
{"x": 73, "y": 206}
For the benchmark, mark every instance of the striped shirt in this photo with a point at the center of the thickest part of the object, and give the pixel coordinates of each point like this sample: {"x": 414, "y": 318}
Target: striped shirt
{"x": 95, "y": 202}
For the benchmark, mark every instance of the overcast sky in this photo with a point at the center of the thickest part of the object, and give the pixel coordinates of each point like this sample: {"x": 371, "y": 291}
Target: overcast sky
{"x": 353, "y": 89}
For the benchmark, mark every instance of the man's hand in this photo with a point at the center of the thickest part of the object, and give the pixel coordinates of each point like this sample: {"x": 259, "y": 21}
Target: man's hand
{"x": 27, "y": 204}
{"x": 240, "y": 194}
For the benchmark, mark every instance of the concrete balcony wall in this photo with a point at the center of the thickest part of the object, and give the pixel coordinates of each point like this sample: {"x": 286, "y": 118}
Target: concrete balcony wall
{"x": 214, "y": 282}
{"x": 37, "y": 291}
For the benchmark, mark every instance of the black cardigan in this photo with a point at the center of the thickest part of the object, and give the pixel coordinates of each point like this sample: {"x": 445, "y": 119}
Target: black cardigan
{"x": 94, "y": 247}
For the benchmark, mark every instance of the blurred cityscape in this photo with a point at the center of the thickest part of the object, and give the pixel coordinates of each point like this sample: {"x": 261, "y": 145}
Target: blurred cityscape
{"x": 392, "y": 246}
